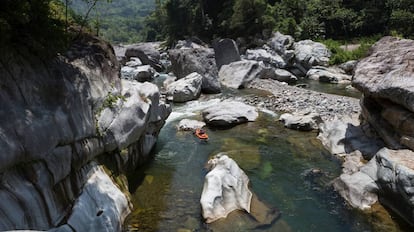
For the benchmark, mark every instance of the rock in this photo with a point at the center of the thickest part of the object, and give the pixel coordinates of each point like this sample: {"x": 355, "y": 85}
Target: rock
{"x": 284, "y": 76}
{"x": 190, "y": 125}
{"x": 388, "y": 67}
{"x": 187, "y": 44}
{"x": 148, "y": 53}
{"x": 395, "y": 172}
{"x": 342, "y": 137}
{"x": 140, "y": 73}
{"x": 385, "y": 79}
{"x": 281, "y": 43}
{"x": 302, "y": 122}
{"x": 185, "y": 89}
{"x": 229, "y": 113}
{"x": 349, "y": 67}
{"x": 133, "y": 62}
{"x": 227, "y": 182}
{"x": 200, "y": 60}
{"x": 238, "y": 74}
{"x": 328, "y": 75}
{"x": 309, "y": 53}
{"x": 262, "y": 55}
{"x": 101, "y": 206}
{"x": 358, "y": 189}
{"x": 226, "y": 52}
{"x": 49, "y": 177}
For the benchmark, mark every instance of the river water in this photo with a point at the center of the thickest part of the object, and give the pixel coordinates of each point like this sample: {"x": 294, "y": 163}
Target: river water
{"x": 278, "y": 161}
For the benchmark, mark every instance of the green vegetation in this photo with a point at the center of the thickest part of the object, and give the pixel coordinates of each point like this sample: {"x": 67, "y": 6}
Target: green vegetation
{"x": 303, "y": 19}
{"x": 119, "y": 21}
{"x": 340, "y": 55}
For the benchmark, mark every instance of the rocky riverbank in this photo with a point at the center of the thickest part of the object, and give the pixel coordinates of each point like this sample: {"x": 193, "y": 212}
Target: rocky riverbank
{"x": 285, "y": 98}
{"x": 69, "y": 129}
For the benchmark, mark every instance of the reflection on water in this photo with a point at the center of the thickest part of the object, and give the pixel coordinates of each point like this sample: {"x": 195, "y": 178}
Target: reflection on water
{"x": 280, "y": 163}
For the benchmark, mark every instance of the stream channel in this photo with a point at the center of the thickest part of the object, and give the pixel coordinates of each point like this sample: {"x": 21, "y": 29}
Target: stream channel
{"x": 279, "y": 162}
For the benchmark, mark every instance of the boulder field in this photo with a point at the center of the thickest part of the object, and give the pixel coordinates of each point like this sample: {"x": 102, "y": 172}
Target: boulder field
{"x": 62, "y": 121}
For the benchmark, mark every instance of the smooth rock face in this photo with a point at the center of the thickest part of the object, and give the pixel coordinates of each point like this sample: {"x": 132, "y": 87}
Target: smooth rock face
{"x": 199, "y": 60}
{"x": 309, "y": 53}
{"x": 229, "y": 113}
{"x": 185, "y": 89}
{"x": 328, "y": 75}
{"x": 225, "y": 52}
{"x": 302, "y": 122}
{"x": 57, "y": 117}
{"x": 225, "y": 189}
{"x": 238, "y": 74}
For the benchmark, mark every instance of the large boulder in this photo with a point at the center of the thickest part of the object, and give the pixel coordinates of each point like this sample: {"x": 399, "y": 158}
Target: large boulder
{"x": 267, "y": 57}
{"x": 199, "y": 60}
{"x": 226, "y": 52}
{"x": 60, "y": 119}
{"x": 148, "y": 53}
{"x": 385, "y": 77}
{"x": 328, "y": 75}
{"x": 185, "y": 89}
{"x": 284, "y": 76}
{"x": 228, "y": 183}
{"x": 309, "y": 53}
{"x": 229, "y": 113}
{"x": 239, "y": 74}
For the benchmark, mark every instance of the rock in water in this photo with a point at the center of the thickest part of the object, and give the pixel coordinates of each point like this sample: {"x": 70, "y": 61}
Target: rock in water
{"x": 229, "y": 113}
{"x": 226, "y": 189}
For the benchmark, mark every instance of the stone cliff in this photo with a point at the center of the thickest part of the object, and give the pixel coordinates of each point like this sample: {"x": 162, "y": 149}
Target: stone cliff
{"x": 69, "y": 128}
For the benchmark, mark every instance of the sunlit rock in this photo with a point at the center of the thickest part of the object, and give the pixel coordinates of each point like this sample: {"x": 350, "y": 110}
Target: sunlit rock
{"x": 302, "y": 122}
{"x": 185, "y": 89}
{"x": 226, "y": 190}
{"x": 229, "y": 113}
{"x": 190, "y": 125}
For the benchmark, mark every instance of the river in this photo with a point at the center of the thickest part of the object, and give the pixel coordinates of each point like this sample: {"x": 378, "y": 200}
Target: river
{"x": 279, "y": 162}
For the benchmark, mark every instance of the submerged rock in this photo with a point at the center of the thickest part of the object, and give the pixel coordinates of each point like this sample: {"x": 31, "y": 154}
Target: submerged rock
{"x": 229, "y": 113}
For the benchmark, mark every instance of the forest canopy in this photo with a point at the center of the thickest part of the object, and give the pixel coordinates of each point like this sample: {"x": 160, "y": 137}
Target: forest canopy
{"x": 126, "y": 21}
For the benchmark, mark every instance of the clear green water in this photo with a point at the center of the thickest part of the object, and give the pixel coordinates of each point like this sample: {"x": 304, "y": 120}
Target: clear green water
{"x": 166, "y": 192}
